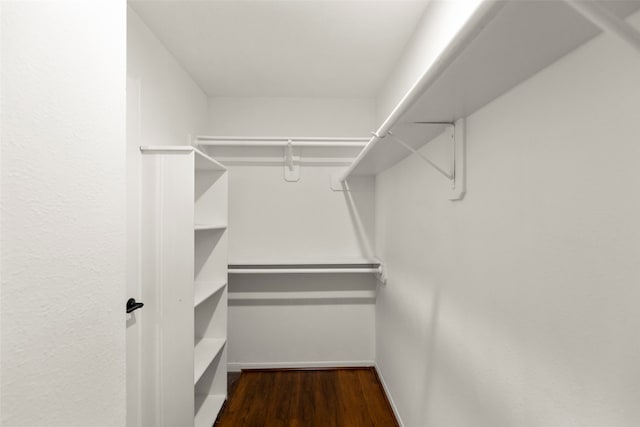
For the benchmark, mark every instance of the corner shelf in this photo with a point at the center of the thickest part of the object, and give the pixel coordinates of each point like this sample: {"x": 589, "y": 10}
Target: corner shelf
{"x": 205, "y": 352}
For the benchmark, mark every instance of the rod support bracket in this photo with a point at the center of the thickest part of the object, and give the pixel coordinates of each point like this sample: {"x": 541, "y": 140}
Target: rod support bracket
{"x": 381, "y": 275}
{"x": 291, "y": 164}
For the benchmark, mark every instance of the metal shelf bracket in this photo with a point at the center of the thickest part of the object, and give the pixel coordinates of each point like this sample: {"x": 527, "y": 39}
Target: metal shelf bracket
{"x": 456, "y": 176}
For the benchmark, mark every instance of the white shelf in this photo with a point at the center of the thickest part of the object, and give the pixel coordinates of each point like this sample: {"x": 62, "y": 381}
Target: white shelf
{"x": 201, "y": 227}
{"x": 203, "y": 290}
{"x": 208, "y": 412}
{"x": 305, "y": 261}
{"x": 202, "y": 161}
{"x": 502, "y": 45}
{"x": 205, "y": 351}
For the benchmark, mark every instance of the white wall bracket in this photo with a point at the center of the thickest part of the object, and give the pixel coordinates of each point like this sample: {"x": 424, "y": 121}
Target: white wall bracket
{"x": 430, "y": 162}
{"x": 607, "y": 21}
{"x": 291, "y": 164}
{"x": 456, "y": 176}
{"x": 381, "y": 275}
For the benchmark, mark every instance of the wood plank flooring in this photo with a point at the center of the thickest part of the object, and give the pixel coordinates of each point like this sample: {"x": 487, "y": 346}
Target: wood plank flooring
{"x": 307, "y": 398}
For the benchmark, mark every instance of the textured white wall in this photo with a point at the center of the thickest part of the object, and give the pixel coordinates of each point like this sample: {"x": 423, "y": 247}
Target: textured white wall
{"x": 63, "y": 213}
{"x": 517, "y": 306}
{"x": 270, "y": 219}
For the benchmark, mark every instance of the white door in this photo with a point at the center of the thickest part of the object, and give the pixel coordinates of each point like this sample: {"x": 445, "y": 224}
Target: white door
{"x": 135, "y": 319}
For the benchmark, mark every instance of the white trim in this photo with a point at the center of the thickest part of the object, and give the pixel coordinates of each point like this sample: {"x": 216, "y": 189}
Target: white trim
{"x": 389, "y": 397}
{"x": 238, "y": 366}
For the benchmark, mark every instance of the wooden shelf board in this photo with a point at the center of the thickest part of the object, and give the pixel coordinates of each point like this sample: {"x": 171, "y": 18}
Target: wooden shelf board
{"x": 208, "y": 412}
{"x": 204, "y": 290}
{"x": 205, "y": 351}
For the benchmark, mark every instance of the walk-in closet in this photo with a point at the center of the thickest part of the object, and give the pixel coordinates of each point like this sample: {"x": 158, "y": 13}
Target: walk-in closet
{"x": 416, "y": 213}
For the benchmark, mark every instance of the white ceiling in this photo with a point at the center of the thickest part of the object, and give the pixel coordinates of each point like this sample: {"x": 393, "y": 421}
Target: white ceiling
{"x": 304, "y": 48}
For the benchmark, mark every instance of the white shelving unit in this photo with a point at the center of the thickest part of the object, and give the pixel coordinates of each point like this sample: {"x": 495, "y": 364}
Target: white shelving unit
{"x": 501, "y": 45}
{"x": 185, "y": 257}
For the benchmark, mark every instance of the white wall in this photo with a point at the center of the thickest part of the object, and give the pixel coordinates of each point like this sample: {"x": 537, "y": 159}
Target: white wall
{"x": 172, "y": 105}
{"x": 517, "y": 306}
{"x": 63, "y": 213}
{"x": 353, "y": 117}
{"x": 274, "y": 220}
{"x": 440, "y": 22}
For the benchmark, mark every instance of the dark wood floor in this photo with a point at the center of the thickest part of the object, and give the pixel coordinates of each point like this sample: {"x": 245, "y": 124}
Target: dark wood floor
{"x": 307, "y": 398}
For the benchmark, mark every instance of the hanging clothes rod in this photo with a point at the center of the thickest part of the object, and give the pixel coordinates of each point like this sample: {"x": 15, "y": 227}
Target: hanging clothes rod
{"x": 311, "y": 268}
{"x": 376, "y": 270}
{"x": 277, "y": 141}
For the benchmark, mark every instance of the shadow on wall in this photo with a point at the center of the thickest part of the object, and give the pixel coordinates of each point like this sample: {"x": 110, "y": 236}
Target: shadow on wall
{"x": 432, "y": 341}
{"x": 357, "y": 192}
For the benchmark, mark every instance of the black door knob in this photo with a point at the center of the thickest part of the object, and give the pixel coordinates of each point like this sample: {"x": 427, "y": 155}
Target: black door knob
{"x": 132, "y": 305}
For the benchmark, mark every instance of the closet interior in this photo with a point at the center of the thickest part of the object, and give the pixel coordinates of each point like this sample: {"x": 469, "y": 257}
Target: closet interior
{"x": 450, "y": 225}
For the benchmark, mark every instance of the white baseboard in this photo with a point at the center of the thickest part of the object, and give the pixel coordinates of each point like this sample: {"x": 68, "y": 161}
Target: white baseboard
{"x": 389, "y": 397}
{"x": 238, "y": 366}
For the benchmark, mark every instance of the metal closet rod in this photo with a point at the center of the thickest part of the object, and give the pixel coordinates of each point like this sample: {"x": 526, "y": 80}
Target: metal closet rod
{"x": 312, "y": 269}
{"x": 280, "y": 141}
{"x": 303, "y": 270}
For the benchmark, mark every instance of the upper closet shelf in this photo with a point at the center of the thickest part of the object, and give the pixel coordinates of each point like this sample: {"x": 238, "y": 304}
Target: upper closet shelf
{"x": 202, "y": 161}
{"x": 502, "y": 44}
